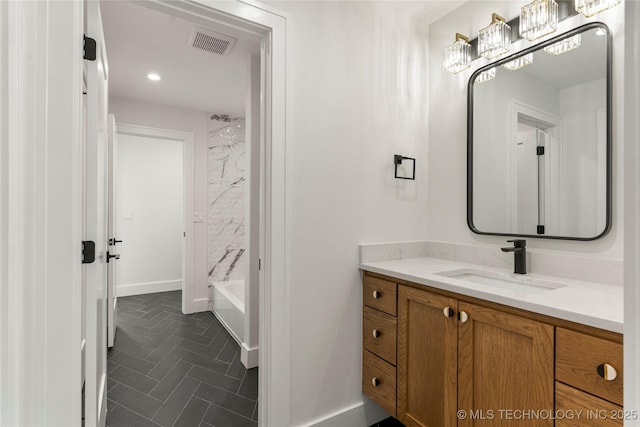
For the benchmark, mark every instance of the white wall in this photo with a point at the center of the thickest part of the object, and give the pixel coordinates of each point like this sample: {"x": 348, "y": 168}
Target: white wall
{"x": 356, "y": 96}
{"x": 249, "y": 352}
{"x": 149, "y": 201}
{"x": 579, "y": 107}
{"x": 358, "y": 82}
{"x": 447, "y": 131}
{"x": 166, "y": 117}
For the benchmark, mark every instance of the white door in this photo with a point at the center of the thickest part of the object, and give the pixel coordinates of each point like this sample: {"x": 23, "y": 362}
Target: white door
{"x": 96, "y": 223}
{"x": 113, "y": 256}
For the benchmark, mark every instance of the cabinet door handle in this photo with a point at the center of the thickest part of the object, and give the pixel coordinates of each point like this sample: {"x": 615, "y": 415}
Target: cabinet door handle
{"x": 375, "y": 381}
{"x": 463, "y": 316}
{"x": 448, "y": 312}
{"x": 376, "y": 333}
{"x": 607, "y": 372}
{"x": 377, "y": 294}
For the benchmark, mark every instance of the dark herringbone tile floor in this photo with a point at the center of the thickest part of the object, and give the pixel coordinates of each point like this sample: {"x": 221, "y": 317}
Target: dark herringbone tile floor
{"x": 171, "y": 369}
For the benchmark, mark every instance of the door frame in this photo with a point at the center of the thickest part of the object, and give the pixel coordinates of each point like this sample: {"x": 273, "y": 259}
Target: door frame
{"x": 189, "y": 304}
{"x": 631, "y": 214}
{"x": 40, "y": 212}
{"x": 552, "y": 173}
{"x": 40, "y": 167}
{"x": 271, "y": 26}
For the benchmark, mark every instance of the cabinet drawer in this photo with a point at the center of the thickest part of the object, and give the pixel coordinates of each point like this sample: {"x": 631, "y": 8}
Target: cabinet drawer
{"x": 578, "y": 357}
{"x": 379, "y": 381}
{"x": 592, "y": 411}
{"x": 379, "y": 334}
{"x": 380, "y": 294}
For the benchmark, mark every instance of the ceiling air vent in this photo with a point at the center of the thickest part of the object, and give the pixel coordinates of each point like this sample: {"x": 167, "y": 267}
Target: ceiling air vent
{"x": 211, "y": 42}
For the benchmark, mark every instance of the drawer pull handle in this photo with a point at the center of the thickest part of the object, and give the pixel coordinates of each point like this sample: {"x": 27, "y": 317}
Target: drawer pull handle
{"x": 375, "y": 381}
{"x": 376, "y": 333}
{"x": 448, "y": 312}
{"x": 607, "y": 372}
{"x": 463, "y": 317}
{"x": 377, "y": 294}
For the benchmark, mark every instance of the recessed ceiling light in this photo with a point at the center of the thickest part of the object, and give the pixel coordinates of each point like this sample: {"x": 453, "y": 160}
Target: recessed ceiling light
{"x": 153, "y": 76}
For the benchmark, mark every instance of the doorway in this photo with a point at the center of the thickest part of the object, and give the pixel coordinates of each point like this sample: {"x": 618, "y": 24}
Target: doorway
{"x": 535, "y": 150}
{"x": 155, "y": 179}
{"x": 148, "y": 106}
{"x": 54, "y": 394}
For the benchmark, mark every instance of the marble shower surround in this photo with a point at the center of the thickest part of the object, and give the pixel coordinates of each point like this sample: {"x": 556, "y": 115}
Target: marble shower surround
{"x": 226, "y": 198}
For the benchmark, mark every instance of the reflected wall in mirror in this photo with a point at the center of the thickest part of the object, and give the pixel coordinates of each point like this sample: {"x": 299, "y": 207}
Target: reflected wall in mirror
{"x": 539, "y": 140}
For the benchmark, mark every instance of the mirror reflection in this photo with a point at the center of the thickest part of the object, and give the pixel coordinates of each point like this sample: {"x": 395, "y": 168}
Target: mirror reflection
{"x": 538, "y": 140}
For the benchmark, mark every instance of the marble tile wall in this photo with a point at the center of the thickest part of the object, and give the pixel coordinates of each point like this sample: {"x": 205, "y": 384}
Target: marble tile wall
{"x": 226, "y": 198}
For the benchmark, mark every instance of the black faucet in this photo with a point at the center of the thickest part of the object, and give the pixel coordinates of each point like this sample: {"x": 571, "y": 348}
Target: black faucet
{"x": 519, "y": 250}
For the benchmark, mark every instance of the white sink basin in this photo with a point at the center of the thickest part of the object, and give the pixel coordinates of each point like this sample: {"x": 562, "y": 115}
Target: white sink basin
{"x": 509, "y": 281}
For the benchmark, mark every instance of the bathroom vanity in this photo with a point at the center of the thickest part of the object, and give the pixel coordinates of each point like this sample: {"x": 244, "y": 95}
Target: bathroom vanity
{"x": 443, "y": 348}
{"x": 459, "y": 340}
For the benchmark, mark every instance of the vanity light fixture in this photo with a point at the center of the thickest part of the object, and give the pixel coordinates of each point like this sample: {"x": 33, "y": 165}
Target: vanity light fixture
{"x": 564, "y": 45}
{"x": 519, "y": 62}
{"x": 538, "y": 18}
{"x": 494, "y": 40}
{"x": 457, "y": 57}
{"x": 592, "y": 7}
{"x": 153, "y": 77}
{"x": 485, "y": 76}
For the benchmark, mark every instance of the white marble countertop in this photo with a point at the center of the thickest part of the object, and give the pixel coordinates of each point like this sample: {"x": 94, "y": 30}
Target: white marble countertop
{"x": 593, "y": 304}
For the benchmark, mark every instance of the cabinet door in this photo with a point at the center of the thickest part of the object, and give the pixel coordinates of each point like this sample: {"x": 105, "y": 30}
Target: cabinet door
{"x": 505, "y": 369}
{"x": 427, "y": 341}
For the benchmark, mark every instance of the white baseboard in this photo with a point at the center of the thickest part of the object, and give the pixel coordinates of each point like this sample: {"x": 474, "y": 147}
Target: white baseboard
{"x": 148, "y": 288}
{"x": 249, "y": 356}
{"x": 197, "y": 306}
{"x": 361, "y": 414}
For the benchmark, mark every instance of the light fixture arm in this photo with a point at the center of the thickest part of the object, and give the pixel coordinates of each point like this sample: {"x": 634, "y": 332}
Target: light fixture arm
{"x": 495, "y": 18}
{"x": 462, "y": 37}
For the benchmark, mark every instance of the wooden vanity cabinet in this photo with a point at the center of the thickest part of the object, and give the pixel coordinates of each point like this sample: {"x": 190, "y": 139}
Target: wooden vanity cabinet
{"x": 589, "y": 377}
{"x": 379, "y": 341}
{"x": 505, "y": 362}
{"x": 456, "y": 353}
{"x": 427, "y": 358}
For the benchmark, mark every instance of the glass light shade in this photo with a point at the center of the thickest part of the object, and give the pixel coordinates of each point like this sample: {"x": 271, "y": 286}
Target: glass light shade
{"x": 494, "y": 40}
{"x": 593, "y": 7}
{"x": 538, "y": 18}
{"x": 485, "y": 76}
{"x": 519, "y": 62}
{"x": 457, "y": 57}
{"x": 565, "y": 45}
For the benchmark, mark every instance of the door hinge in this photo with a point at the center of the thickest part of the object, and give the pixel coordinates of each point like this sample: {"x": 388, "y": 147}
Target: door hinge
{"x": 89, "y": 49}
{"x": 88, "y": 251}
{"x": 540, "y": 229}
{"x": 259, "y": 264}
{"x": 540, "y": 150}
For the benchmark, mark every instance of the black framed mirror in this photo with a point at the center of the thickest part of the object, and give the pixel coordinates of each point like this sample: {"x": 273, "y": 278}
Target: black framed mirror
{"x": 539, "y": 140}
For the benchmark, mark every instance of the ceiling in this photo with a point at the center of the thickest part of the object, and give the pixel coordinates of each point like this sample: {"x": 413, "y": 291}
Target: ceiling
{"x": 141, "y": 40}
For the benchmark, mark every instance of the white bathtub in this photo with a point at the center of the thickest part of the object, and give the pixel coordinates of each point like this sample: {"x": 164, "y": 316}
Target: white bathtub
{"x": 228, "y": 306}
